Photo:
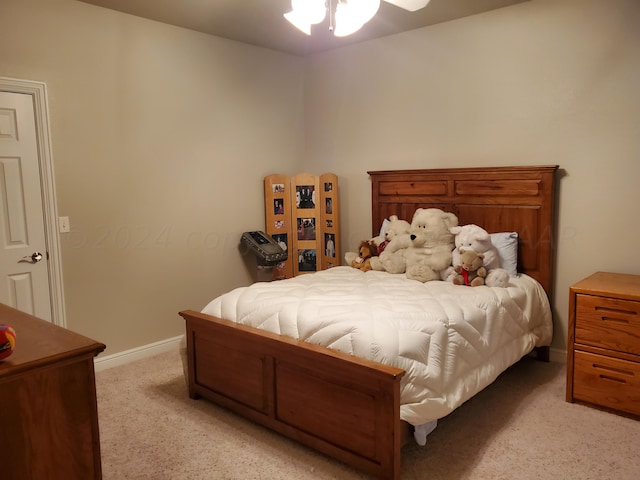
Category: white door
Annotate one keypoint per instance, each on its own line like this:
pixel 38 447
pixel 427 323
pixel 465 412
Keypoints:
pixel 24 265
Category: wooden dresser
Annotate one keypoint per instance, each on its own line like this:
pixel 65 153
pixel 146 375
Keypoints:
pixel 603 354
pixel 48 411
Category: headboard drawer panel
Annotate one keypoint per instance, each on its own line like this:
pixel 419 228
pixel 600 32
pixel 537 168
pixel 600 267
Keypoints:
pixel 498 187
pixel 413 188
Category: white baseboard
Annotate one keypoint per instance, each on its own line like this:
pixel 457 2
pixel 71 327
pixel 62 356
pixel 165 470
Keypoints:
pixel 138 353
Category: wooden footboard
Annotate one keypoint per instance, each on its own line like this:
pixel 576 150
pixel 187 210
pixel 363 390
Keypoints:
pixel 343 406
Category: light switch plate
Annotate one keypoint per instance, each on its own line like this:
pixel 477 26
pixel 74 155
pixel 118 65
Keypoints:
pixel 63 225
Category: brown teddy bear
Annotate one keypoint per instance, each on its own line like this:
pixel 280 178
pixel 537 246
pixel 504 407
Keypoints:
pixel 366 251
pixel 470 271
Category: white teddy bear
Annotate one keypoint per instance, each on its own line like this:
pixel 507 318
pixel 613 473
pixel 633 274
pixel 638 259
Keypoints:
pixel 473 237
pixel 394 234
pixel 396 239
pixel 429 255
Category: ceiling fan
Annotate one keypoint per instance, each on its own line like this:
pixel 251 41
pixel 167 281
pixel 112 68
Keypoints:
pixel 345 16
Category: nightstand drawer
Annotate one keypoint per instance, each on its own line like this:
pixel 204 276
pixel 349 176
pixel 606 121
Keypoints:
pixel 608 382
pixel 608 323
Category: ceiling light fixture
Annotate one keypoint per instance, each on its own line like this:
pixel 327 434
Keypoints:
pixel 345 16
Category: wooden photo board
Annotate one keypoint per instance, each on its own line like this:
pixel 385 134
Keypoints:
pixel 302 214
pixel 277 206
pixel 329 221
pixel 306 220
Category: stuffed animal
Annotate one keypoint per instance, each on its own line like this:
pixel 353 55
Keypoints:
pixel 392 228
pixel 395 234
pixel 366 250
pixel 429 254
pixel 470 270
pixel 473 237
pixel 396 239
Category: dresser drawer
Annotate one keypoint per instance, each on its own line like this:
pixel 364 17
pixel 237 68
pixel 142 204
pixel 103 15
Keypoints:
pixel 608 323
pixel 608 382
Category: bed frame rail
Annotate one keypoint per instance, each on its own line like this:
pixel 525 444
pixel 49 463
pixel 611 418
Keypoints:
pixel 338 404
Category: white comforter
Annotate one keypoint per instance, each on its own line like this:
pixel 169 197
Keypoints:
pixel 452 341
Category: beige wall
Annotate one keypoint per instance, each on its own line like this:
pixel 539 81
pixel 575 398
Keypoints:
pixel 542 82
pixel 161 138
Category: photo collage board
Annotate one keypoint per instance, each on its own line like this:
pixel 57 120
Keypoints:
pixel 302 215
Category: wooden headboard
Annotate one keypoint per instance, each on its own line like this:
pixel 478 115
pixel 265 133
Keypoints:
pixel 500 199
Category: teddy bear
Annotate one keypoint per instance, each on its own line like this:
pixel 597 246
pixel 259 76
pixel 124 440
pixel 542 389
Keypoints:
pixel 366 250
pixel 473 237
pixel 469 269
pixel 429 253
pixel 393 233
pixel 396 234
pixel 396 240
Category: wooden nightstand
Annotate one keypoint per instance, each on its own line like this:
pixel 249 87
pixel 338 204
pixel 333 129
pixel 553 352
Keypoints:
pixel 603 354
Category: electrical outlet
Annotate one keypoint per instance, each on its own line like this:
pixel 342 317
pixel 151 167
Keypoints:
pixel 63 225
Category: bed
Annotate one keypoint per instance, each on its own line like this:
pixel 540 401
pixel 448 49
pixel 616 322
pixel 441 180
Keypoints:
pixel 341 400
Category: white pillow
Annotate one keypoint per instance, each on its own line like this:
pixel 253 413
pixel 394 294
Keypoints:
pixel 507 245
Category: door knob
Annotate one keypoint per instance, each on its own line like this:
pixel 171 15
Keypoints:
pixel 35 257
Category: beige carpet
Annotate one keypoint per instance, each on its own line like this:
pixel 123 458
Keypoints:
pixel 518 428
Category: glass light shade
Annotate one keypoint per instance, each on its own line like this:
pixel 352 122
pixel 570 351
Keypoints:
pixel 351 15
pixel 298 21
pixel 312 11
pixel 410 5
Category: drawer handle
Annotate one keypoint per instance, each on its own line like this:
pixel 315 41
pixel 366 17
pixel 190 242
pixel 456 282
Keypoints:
pixel 611 369
pixel 611 319
pixel 614 379
pixel 616 310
